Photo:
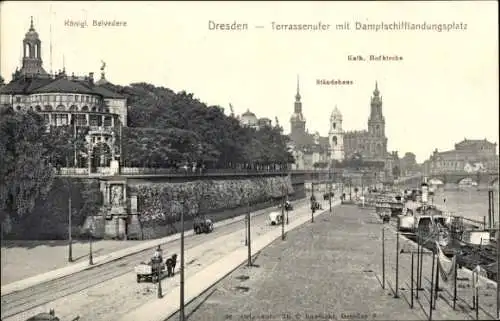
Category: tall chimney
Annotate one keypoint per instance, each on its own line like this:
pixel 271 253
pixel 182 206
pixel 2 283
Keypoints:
pixel 91 78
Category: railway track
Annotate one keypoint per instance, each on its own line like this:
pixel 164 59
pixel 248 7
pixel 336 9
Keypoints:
pixel 16 303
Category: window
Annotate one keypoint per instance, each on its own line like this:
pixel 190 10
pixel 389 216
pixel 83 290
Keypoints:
pixel 18 108
pixel 18 99
pixel 95 120
pixel 38 108
pixel 61 119
pixel 107 121
pixel 86 99
pixel 80 120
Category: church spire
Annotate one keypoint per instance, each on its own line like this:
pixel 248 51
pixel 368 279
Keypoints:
pixel 297 96
pixel 32 28
pixel 376 92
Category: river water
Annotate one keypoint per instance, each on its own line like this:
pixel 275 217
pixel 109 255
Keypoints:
pixel 467 202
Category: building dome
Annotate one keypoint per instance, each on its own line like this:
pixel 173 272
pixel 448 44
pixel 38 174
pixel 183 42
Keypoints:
pixel 248 113
pixel 297 117
pixel 249 119
pixel 31 34
pixel 336 113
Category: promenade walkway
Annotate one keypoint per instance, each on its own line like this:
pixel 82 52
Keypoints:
pixel 24 259
pixel 328 270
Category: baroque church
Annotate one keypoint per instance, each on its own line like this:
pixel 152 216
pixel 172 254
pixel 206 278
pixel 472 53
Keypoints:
pixel 311 150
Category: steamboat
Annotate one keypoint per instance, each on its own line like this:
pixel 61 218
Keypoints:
pixel 471 240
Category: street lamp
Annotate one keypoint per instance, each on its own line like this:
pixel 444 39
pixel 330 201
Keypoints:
pixel 313 202
pixel 286 207
pixel 181 310
pixel 248 226
pixel 70 239
pixel 283 213
pixel 90 231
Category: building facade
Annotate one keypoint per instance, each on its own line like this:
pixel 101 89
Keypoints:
pixel 310 149
pixel 249 119
pixel 65 100
pixel 470 155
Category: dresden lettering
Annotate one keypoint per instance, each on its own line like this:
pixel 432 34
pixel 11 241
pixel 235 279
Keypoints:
pixel 234 26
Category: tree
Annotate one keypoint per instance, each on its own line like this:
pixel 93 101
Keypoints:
pixel 2 81
pixel 198 133
pixel 24 167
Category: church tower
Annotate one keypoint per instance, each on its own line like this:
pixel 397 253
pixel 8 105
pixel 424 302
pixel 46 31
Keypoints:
pixel 297 121
pixel 376 121
pixel 336 136
pixel 32 54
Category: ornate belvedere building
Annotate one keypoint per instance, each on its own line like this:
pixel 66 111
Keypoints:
pixel 65 100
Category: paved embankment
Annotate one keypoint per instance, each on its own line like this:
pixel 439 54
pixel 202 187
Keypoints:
pixel 331 269
pixel 24 259
pixel 196 284
pixel 33 266
pixel 100 294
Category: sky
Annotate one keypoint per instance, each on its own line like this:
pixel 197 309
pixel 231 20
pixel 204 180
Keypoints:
pixel 444 89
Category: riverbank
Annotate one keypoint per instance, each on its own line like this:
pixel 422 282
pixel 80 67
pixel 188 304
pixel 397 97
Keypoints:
pixel 331 269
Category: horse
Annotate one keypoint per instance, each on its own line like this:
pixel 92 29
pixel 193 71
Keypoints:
pixel 171 263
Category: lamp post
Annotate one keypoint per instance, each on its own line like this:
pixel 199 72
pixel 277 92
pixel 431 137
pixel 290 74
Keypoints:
pixel 247 228
pixel 70 239
pixel 283 204
pixel 91 229
pixel 313 202
pixel 181 310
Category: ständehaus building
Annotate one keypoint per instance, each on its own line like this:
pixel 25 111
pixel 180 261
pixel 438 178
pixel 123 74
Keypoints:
pixel 310 149
pixel 65 100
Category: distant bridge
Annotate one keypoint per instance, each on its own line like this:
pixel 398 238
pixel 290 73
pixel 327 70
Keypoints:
pixel 489 178
pixel 411 180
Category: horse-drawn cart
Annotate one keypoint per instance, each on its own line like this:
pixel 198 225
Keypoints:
pixel 151 271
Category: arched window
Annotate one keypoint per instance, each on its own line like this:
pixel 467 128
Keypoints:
pixel 38 108
pixel 18 108
pixel 94 108
pixel 48 108
pixel 60 108
pixel 85 108
pixel 334 125
pixel 73 108
pixel 27 50
pixel 334 140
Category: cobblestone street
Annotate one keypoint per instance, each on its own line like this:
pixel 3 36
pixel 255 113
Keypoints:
pixel 330 269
